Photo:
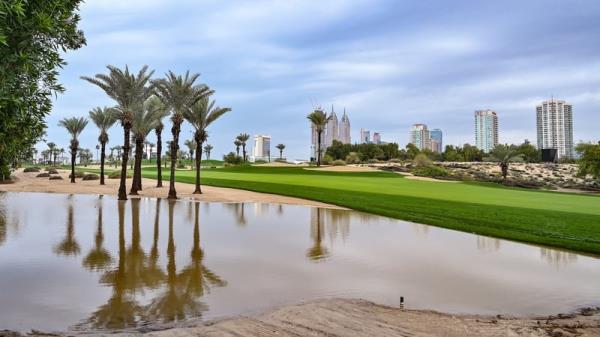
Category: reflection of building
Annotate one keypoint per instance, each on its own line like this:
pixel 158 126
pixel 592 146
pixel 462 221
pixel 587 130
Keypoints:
pixel 262 148
pixel 487 244
pixel 436 137
pixel 556 257
pixel 486 130
pixel 419 136
pixel 555 127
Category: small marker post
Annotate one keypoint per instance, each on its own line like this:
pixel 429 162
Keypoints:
pixel 401 302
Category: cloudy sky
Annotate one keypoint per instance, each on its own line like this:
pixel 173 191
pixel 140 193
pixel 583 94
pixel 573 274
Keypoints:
pixel 389 63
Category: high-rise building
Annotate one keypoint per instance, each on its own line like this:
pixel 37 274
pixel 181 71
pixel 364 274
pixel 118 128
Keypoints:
pixel 419 136
pixel 486 129
pixel 555 127
pixel 365 136
pixel 436 138
pixel 262 148
pixel 345 129
pixel 331 131
pixel 376 138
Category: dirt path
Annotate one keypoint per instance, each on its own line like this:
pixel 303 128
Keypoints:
pixel 28 182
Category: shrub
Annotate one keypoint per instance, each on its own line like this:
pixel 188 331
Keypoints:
pixel 327 159
pixel 56 178
pixel 338 162
pixel 91 176
pixel 395 160
pixel 260 161
pixel 31 169
pixel 421 160
pixel 430 171
pixel 43 175
pixel 117 175
pixel 53 171
pixel 180 164
pixel 353 158
pixel 78 174
pixel 232 159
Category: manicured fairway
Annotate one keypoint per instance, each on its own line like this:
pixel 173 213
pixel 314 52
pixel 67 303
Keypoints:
pixel 555 219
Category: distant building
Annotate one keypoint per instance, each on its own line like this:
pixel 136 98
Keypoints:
pixel 332 130
pixel 486 130
pixel 555 127
pixel 365 136
pixel 262 148
pixel 436 139
pixel 344 129
pixel 419 136
pixel 376 138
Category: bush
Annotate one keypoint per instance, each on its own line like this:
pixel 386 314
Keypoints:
pixel 43 175
pixel 180 164
pixel 430 171
pixel 78 174
pixel 260 161
pixel 327 159
pixel 421 160
pixel 353 158
pixel 31 169
pixel 91 176
pixel 53 171
pixel 56 178
pixel 232 159
pixel 117 175
pixel 338 162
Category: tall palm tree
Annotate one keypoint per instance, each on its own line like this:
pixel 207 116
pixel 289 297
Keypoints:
pixel 157 104
pixel 280 147
pixel 144 121
pixel 201 115
pixel 207 150
pixel 104 119
pixel 74 126
pixel 191 145
pixel 504 155
pixel 237 144
pixel 52 149
pixel 179 93
pixel 243 138
pixel 129 91
pixel 319 121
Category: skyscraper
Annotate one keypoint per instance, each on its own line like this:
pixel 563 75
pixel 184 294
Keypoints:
pixel 365 136
pixel 345 129
pixel 486 130
pixel 331 131
pixel 376 138
pixel 419 136
pixel 555 127
pixel 262 147
pixel 436 138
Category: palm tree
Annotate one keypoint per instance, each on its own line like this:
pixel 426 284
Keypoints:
pixel 318 120
pixel 280 147
pixel 179 93
pixel 207 150
pixel 237 146
pixel 129 91
pixel 52 147
pixel 62 152
pixel 144 121
pixel 191 145
pixel 74 126
pixel 504 155
pixel 156 104
pixel 201 115
pixel 243 138
pixel 103 118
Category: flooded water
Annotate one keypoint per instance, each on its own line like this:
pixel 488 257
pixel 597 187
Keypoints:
pixel 83 261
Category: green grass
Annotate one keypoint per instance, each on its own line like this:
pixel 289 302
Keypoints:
pixel 561 220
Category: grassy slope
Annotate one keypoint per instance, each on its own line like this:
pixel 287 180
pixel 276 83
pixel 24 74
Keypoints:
pixel 555 219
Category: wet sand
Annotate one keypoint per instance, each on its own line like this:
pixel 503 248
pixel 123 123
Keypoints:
pixel 28 182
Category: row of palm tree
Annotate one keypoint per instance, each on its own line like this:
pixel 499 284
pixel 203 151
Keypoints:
pixel 241 140
pixel 191 145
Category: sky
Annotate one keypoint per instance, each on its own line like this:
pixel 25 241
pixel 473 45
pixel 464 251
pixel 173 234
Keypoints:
pixel 389 63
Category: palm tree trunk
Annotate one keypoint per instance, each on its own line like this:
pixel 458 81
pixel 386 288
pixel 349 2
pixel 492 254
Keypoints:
pixel 73 158
pixel 174 148
pixel 158 158
pixel 102 159
pixel 125 157
pixel 137 167
pixel 280 154
pixel 319 148
pixel 237 150
pixel 244 151
pixel 198 159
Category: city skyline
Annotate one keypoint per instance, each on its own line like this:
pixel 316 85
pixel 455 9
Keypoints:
pixel 495 59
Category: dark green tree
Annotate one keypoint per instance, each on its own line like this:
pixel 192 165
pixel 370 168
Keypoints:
pixel 589 163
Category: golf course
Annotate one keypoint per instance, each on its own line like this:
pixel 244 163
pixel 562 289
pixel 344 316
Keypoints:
pixel 564 220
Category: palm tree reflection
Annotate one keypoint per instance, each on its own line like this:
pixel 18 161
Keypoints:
pixel 98 259
pixel 69 245
pixel 153 274
pixel 317 252
pixel 135 254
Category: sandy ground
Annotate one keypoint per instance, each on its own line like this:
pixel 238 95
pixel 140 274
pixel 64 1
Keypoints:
pixel 28 182
pixel 347 168
pixel 353 318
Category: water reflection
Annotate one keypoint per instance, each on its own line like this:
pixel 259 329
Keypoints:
pixel 238 210
pixel 487 244
pixel 557 258
pixel 98 259
pixel 69 245
pixel 317 252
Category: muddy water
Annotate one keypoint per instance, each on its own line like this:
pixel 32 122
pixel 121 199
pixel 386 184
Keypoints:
pixel 90 262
